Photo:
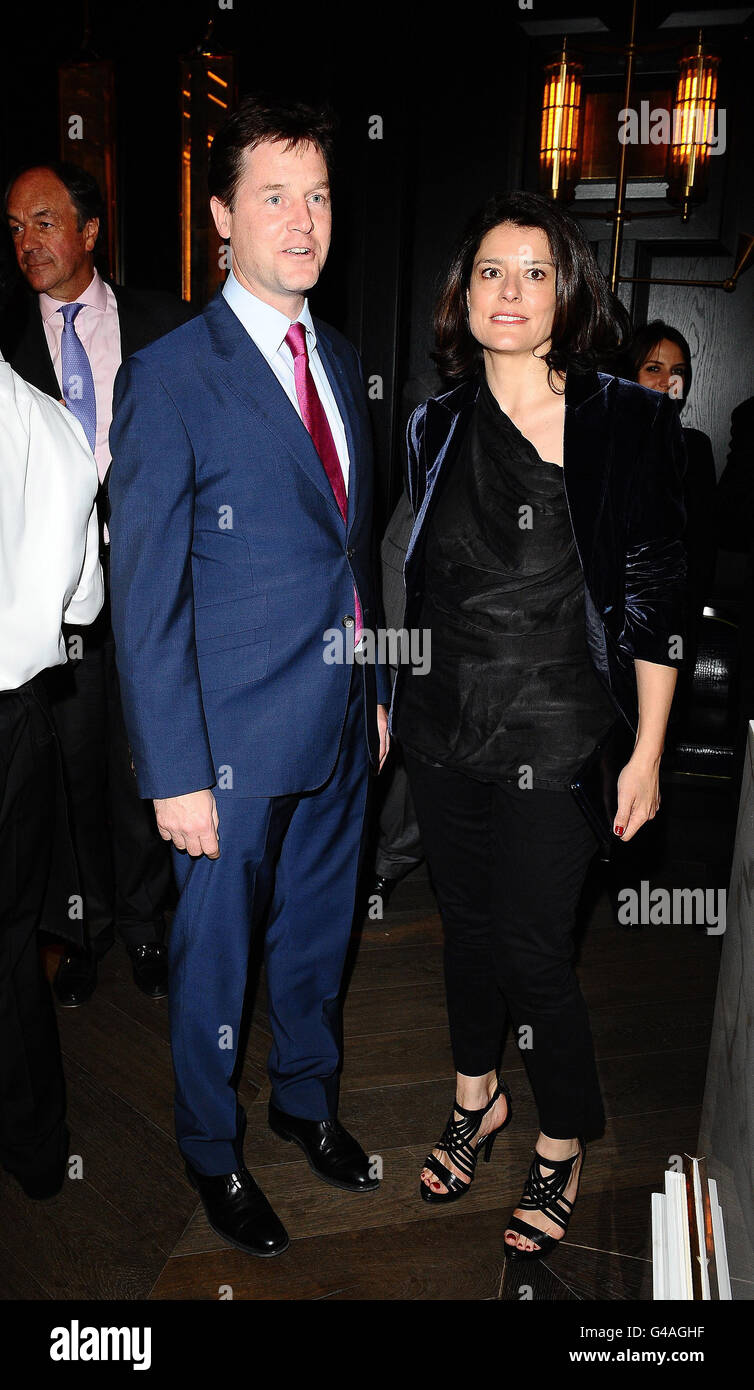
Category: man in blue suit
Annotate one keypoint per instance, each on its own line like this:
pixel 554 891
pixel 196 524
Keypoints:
pixel 241 539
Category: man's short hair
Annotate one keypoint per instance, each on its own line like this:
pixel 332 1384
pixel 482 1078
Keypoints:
pixel 255 121
pixel 82 188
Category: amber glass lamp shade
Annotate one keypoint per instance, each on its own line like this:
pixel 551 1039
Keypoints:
pixel 561 127
pixel 693 121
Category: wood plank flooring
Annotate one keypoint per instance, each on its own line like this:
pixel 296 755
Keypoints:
pixel 130 1226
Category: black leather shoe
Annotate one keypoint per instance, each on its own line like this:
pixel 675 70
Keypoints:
pixel 383 887
pixel 238 1212
pixel 44 1185
pixel 75 979
pixel 150 967
pixel 331 1152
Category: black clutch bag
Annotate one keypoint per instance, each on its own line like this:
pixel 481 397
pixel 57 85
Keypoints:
pixel 595 784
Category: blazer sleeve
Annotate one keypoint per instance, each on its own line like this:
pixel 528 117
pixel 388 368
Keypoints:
pixel 151 489
pixel 735 491
pixel 655 592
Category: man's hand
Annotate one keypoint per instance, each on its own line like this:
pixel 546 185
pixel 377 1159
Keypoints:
pixel 382 713
pixel 191 822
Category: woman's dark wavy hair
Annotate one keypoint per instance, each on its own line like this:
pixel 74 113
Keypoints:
pixel 590 325
pixel 643 343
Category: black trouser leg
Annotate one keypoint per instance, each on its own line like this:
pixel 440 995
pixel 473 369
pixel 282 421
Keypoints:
pixel 455 820
pixel 33 1135
pixel 544 847
pixel 508 866
pixel 79 712
pixel 124 865
pixel 399 846
pixel 143 868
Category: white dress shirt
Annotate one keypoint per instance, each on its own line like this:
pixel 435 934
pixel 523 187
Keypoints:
pixel 267 327
pixel 49 543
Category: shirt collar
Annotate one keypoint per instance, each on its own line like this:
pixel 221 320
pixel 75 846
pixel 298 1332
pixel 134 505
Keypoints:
pixel 265 324
pixel 95 295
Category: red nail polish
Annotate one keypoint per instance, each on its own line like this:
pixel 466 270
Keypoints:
pixel 619 829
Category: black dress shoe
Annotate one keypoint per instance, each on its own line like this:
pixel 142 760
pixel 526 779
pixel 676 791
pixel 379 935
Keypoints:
pixel 46 1184
pixel 331 1152
pixel 383 887
pixel 150 967
pixel 75 979
pixel 238 1212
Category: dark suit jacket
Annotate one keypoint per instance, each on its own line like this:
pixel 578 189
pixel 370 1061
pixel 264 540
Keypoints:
pixel 623 465
pixel 700 497
pixel 232 571
pixel 735 491
pixel 393 558
pixel 143 315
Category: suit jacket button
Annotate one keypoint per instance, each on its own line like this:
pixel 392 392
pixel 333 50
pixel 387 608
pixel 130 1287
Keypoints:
pixel 348 620
pixel 349 552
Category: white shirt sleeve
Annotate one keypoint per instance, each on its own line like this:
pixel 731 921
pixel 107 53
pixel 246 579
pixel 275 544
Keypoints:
pixel 49 550
pixel 86 603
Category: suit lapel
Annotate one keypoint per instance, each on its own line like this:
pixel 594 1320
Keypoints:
pixel 246 373
pixel 31 357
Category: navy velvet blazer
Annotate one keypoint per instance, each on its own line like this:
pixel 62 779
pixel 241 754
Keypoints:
pixel 230 561
pixel 623 465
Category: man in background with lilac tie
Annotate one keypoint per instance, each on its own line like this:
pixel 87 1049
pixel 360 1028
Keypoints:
pixel 241 521
pixel 67 337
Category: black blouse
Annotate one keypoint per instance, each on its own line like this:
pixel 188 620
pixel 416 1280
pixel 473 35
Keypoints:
pixel 511 693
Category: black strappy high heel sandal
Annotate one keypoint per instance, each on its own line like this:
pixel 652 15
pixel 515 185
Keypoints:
pixel 456 1143
pixel 544 1192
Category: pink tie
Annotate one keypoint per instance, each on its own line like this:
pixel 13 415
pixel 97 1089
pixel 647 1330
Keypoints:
pixel 315 419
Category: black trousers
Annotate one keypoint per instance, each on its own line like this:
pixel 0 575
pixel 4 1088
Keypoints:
pixel 33 1135
pixel 508 866
pixel 399 846
pixel 124 865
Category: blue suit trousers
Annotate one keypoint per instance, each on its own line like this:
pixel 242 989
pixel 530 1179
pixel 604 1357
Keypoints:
pixel 288 865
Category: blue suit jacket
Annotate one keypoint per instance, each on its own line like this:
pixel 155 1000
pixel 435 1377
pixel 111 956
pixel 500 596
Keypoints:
pixel 230 561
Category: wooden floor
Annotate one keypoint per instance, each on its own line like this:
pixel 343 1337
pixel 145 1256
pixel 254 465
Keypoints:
pixel 131 1228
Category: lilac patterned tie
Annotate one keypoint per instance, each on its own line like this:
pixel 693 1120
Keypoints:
pixel 315 419
pixel 76 369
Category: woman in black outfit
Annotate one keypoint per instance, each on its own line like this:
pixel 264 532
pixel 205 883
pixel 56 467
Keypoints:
pixel 546 561
pixel 659 357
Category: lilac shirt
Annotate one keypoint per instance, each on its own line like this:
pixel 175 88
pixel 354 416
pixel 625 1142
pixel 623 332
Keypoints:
pixel 98 328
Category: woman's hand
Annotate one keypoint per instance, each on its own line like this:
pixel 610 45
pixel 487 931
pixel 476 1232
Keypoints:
pixel 639 782
pixel 638 793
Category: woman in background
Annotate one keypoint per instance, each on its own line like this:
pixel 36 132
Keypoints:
pixel 659 357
